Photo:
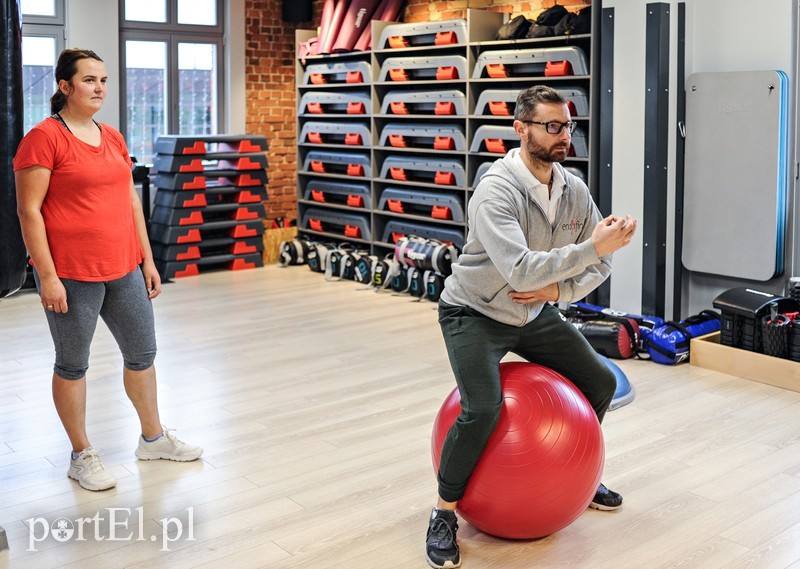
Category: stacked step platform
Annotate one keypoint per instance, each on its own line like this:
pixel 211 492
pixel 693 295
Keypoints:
pixel 208 211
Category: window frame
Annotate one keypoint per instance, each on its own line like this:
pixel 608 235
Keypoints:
pixel 172 34
pixel 58 19
pixel 46 31
pixel 46 27
pixel 172 21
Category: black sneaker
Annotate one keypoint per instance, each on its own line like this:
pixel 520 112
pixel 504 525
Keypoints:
pixel 606 499
pixel 441 549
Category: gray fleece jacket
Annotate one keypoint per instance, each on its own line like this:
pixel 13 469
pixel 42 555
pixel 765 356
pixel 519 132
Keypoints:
pixel 511 245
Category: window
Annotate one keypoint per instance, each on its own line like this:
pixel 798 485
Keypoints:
pixel 145 95
pixel 42 12
pixel 200 12
pixel 42 41
pixel 197 88
pixel 172 70
pixel 146 11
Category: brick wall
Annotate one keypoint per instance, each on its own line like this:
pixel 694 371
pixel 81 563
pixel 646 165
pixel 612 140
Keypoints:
pixel 270 70
pixel 271 108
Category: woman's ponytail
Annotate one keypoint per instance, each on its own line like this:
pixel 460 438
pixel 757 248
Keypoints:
pixel 57 101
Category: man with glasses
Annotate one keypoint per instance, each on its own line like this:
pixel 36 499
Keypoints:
pixel 535 237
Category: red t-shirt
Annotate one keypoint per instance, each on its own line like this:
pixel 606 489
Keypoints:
pixel 87 210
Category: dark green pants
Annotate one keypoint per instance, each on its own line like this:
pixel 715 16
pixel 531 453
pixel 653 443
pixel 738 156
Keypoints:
pixel 475 345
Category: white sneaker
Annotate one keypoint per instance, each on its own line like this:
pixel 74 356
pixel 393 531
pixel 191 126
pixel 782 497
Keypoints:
pixel 89 471
pixel 167 447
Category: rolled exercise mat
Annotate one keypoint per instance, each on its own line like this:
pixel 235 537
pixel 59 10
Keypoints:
pixel 325 23
pixel 333 28
pixel 355 21
pixel 387 11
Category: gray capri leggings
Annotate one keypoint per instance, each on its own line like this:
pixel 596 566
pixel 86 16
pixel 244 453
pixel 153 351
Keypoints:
pixel 124 307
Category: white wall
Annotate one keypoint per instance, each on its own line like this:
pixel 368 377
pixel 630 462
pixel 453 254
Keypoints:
pixel 728 35
pixel 721 35
pixel 628 170
pixel 235 80
pixel 84 30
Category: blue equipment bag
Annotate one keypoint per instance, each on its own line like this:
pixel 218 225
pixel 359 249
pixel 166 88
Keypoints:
pixel 669 343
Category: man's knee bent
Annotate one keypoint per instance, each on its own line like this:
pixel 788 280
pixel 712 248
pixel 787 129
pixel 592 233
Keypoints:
pixel 481 418
pixel 607 382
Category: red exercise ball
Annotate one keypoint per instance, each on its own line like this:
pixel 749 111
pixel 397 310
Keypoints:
pixel 541 466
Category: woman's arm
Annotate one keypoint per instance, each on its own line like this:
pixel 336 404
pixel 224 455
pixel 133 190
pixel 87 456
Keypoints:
pixel 32 184
pixel 151 277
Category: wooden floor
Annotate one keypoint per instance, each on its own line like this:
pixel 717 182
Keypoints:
pixel 314 402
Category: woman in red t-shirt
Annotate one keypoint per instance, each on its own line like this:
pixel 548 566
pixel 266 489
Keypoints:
pixel 84 228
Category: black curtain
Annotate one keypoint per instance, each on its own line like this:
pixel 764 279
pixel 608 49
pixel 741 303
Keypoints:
pixel 13 258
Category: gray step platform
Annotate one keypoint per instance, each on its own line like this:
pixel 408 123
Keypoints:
pixel 339 72
pixel 202 180
pixel 350 164
pixel 500 139
pixel 502 102
pixel 342 103
pixel 210 143
pixel 577 100
pixel 480 171
pixel 177 269
pixel 494 138
pixel 437 205
pixel 334 221
pixel 446 102
pixel 440 68
pixel 415 135
pixel 442 171
pixel 416 34
pixel 326 191
pixel 198 216
pixel 539 62
pixel 325 132
pixel 208 248
pixel 395 229
pixel 579 145
pixel 210 196
pixel 172 234
pixel 214 162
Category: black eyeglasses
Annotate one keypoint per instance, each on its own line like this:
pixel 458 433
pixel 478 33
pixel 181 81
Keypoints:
pixel 554 127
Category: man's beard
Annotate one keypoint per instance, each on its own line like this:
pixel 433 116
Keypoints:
pixel 554 153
